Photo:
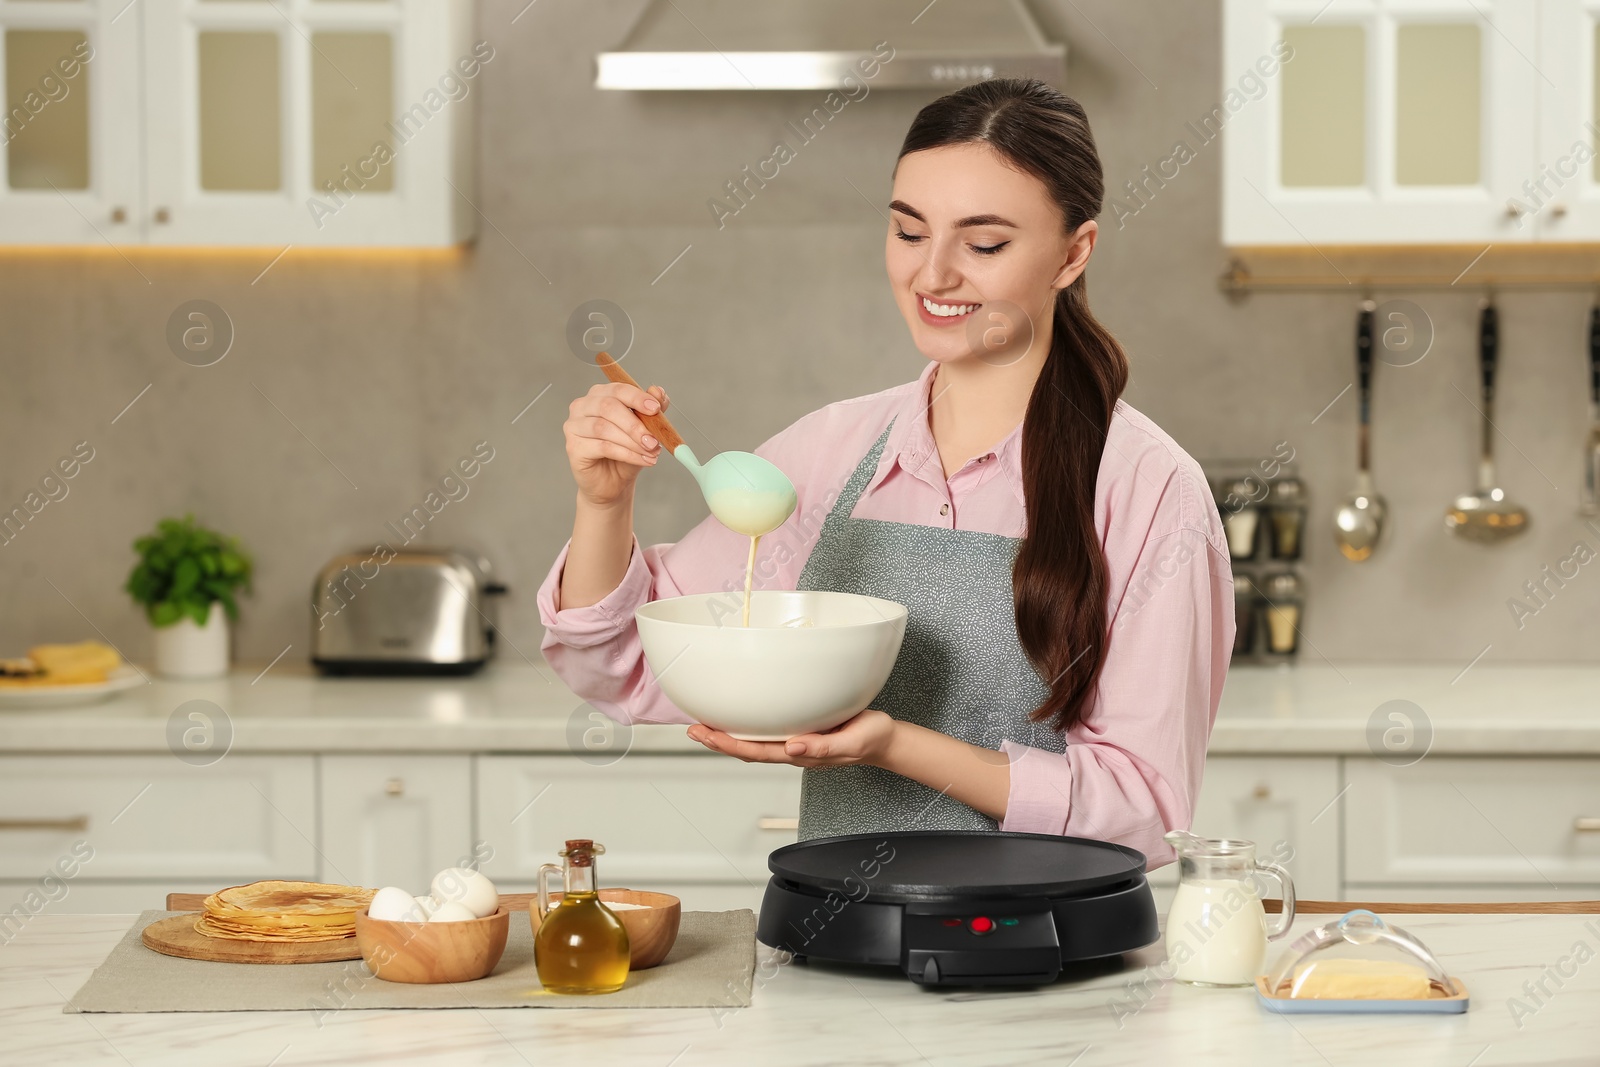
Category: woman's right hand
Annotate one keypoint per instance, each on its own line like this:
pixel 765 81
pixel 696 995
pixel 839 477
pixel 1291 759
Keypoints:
pixel 607 444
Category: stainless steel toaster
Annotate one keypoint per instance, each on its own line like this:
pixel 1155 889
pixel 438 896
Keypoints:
pixel 407 611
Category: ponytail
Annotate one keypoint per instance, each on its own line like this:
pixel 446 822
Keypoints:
pixel 1059 579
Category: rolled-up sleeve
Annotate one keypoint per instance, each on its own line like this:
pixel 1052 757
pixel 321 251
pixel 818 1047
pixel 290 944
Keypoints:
pixel 596 650
pixel 1132 767
pixel 599 623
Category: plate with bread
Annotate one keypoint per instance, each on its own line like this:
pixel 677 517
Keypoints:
pixel 62 675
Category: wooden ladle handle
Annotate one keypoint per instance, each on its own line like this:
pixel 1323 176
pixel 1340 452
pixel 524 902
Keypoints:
pixel 657 424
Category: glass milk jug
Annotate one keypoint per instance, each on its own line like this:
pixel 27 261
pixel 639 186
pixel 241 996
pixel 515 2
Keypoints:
pixel 581 946
pixel 1217 930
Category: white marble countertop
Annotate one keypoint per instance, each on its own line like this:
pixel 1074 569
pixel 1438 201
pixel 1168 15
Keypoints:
pixel 1306 709
pixel 810 1014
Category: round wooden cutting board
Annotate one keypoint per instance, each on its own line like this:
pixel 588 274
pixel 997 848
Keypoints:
pixel 177 937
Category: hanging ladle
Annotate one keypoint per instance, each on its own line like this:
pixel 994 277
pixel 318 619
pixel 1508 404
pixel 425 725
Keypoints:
pixel 1486 516
pixel 1359 522
pixel 746 493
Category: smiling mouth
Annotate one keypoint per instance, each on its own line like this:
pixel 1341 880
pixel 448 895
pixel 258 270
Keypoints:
pixel 934 311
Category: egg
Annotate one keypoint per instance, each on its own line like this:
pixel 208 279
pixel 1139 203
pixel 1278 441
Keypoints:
pixel 427 905
pixel 391 904
pixel 451 912
pixel 465 886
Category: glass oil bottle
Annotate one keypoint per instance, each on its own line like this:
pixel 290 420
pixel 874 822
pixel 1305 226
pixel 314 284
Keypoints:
pixel 581 946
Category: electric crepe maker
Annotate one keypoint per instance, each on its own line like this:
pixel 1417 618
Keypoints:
pixel 958 907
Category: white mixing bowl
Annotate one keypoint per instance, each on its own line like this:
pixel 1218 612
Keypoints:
pixel 773 679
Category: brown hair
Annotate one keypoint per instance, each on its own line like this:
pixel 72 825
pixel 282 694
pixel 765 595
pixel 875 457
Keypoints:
pixel 1059 578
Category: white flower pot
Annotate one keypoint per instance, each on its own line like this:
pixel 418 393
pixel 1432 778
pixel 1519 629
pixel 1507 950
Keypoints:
pixel 184 650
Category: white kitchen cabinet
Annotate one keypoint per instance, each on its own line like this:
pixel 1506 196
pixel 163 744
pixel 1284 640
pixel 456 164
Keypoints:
pixel 701 827
pixel 82 897
pixel 205 122
pixel 156 818
pixel 1285 804
pixel 1408 122
pixel 69 157
pixel 664 820
pixel 1562 194
pixel 393 819
pixel 1453 821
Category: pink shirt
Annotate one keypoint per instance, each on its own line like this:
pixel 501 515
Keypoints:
pixel 1132 767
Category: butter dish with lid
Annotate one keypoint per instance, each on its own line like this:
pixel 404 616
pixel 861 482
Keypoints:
pixel 1359 964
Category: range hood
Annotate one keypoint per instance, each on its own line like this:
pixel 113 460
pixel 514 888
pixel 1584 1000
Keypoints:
pixel 817 44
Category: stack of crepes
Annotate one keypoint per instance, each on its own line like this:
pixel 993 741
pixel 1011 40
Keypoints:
pixel 295 912
pixel 83 663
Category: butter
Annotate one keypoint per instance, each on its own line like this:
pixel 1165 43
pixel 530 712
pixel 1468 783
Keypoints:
pixel 1348 979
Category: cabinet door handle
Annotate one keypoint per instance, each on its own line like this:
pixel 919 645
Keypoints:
pixel 395 787
pixel 76 822
pixel 778 822
pixel 163 216
pixel 1586 824
pixel 119 214
pixel 1261 792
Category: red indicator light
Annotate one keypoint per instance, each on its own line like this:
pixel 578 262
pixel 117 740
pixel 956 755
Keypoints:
pixel 982 925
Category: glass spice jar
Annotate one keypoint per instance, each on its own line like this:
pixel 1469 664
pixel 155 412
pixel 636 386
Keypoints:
pixel 1287 511
pixel 1241 518
pixel 1284 599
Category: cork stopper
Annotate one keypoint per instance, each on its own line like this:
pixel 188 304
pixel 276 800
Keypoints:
pixel 581 851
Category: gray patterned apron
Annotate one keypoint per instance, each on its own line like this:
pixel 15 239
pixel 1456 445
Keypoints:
pixel 961 670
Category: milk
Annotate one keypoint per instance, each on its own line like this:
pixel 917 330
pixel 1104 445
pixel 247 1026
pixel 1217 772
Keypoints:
pixel 1216 932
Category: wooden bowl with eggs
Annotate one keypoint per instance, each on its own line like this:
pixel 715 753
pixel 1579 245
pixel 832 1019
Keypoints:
pixel 425 953
pixel 652 923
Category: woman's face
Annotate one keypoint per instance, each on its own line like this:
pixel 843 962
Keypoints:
pixel 968 230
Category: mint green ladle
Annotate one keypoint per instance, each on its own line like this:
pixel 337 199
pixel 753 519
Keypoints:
pixel 746 493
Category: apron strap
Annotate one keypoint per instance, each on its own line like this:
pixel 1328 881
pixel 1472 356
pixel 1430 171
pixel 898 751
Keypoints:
pixel 857 483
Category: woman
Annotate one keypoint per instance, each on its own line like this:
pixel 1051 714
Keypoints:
pixel 1070 597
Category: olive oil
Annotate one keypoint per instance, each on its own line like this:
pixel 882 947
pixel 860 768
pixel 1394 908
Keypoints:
pixel 581 946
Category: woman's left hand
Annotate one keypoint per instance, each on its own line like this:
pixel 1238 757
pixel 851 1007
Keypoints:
pixel 862 739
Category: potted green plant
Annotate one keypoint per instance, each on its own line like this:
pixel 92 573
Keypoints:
pixel 187 579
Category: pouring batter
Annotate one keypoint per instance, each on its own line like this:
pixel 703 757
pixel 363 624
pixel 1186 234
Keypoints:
pixel 1070 595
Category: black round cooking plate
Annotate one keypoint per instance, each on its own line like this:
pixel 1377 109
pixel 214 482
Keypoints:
pixel 909 866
